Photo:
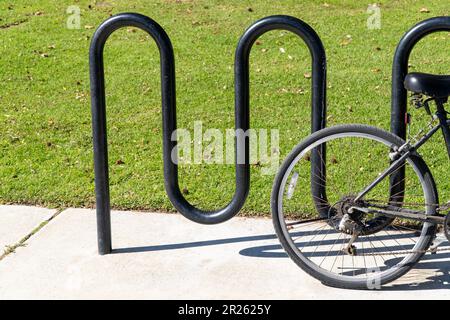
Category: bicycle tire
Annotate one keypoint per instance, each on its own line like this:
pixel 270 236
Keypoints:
pixel 429 189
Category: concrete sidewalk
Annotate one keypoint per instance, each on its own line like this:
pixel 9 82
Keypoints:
pixel 17 222
pixel 165 256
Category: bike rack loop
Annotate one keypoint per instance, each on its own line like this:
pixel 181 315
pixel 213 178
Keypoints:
pixel 399 93
pixel 98 101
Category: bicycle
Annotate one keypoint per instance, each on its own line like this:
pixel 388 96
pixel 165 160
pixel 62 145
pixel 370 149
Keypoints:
pixel 366 228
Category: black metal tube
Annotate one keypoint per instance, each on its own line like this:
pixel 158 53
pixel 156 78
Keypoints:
pixel 399 93
pixel 98 105
pixel 318 91
pixel 443 121
pixel 169 112
pixel 242 113
pixel 400 68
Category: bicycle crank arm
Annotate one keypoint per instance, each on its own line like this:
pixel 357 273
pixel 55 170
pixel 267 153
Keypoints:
pixel 418 216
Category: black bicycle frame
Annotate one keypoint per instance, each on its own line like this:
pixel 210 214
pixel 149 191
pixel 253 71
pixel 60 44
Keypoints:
pixel 242 118
pixel 399 93
pixel 395 165
pixel 444 125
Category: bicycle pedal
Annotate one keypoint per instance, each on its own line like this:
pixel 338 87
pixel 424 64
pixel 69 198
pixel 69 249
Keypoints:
pixel 351 250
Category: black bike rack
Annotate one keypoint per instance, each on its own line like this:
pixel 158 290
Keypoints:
pixel 399 93
pixel 242 117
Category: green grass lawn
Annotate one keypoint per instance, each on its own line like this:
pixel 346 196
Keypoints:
pixel 45 131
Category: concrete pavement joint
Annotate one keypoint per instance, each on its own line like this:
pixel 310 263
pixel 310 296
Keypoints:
pixel 22 242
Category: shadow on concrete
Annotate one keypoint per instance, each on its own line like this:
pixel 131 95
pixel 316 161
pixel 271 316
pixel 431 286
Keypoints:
pixel 194 244
pixel 437 265
pixel 436 274
pixel 266 251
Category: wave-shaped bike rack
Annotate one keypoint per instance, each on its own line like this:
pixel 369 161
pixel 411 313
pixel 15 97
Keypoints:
pixel 399 93
pixel 242 117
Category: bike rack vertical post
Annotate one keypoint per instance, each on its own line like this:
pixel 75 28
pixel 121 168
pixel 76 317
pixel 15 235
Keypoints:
pixel 318 91
pixel 242 114
pixel 399 93
pixel 98 106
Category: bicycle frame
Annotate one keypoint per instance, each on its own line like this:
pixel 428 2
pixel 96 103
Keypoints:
pixel 445 124
pixel 404 152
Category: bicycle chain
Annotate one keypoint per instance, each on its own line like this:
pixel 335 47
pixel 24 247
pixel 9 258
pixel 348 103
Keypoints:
pixel 440 207
pixel 443 207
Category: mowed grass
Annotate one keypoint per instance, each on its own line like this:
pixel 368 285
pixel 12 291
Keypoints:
pixel 45 133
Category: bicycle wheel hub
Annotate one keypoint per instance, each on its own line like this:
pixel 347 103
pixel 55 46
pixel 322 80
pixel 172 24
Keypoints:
pixel 344 219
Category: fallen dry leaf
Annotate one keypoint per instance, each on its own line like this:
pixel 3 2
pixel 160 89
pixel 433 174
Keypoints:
pixel 346 40
pixel 80 96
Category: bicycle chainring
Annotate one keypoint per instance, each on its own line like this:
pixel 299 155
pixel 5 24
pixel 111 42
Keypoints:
pixel 342 220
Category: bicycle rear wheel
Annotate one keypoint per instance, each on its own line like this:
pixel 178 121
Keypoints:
pixel 316 231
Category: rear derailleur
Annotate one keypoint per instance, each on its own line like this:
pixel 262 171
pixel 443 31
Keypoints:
pixel 349 226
